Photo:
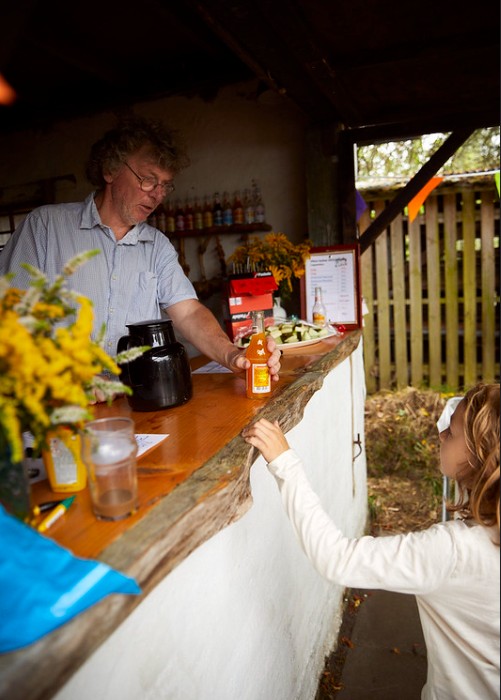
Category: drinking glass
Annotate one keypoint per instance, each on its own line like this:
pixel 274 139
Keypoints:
pixel 109 450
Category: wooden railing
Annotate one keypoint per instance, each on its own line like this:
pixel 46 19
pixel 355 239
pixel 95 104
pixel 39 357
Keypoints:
pixel 432 290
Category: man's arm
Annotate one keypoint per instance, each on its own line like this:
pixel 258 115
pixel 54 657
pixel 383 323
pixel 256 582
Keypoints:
pixel 200 327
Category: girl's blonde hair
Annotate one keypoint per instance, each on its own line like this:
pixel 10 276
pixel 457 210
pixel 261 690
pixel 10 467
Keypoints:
pixel 479 489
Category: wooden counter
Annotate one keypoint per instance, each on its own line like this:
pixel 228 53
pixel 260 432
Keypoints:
pixel 191 486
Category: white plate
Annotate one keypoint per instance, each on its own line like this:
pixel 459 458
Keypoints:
pixel 331 331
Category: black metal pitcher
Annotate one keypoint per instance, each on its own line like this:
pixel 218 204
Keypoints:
pixel 161 377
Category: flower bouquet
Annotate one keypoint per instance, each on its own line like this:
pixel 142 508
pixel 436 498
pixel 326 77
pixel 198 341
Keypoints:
pixel 50 368
pixel 276 253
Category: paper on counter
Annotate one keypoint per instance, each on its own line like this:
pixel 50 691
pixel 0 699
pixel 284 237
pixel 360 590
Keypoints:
pixel 212 368
pixel 146 441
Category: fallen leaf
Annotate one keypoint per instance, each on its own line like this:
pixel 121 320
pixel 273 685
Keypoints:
pixel 347 642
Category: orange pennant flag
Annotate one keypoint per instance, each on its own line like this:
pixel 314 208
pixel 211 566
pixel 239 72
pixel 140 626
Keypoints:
pixel 415 204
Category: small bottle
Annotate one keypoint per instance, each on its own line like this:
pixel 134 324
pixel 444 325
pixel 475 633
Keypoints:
pixel 161 218
pixel 319 310
pixel 63 463
pixel 238 209
pixel 279 313
pixel 257 203
pixel 248 208
pixel 198 217
pixel 227 210
pixel 170 217
pixel 258 381
pixel 189 222
pixel 179 216
pixel 217 211
pixel 207 213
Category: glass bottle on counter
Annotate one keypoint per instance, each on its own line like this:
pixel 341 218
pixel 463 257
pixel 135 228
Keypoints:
pixel 63 462
pixel 319 311
pixel 258 381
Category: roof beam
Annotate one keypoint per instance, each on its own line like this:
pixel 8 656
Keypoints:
pixel 429 169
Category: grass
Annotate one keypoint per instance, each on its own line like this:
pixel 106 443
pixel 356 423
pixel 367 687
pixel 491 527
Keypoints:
pixel 403 455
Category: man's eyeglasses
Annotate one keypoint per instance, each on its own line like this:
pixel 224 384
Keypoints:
pixel 148 184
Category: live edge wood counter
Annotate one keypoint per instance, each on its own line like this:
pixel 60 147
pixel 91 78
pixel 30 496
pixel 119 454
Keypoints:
pixel 191 486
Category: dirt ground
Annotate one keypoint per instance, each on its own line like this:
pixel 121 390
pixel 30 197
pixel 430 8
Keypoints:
pixel 404 487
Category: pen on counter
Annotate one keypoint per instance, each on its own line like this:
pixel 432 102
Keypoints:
pixel 43 507
pixel 58 511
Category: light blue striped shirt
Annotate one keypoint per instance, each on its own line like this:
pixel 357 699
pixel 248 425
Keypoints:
pixel 129 281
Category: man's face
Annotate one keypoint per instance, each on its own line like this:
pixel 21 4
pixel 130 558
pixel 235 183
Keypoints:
pixel 132 203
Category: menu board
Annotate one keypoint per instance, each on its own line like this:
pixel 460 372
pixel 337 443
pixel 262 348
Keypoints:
pixel 336 270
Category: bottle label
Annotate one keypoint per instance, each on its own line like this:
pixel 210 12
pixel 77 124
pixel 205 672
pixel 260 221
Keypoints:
pixel 260 379
pixel 65 467
pixel 249 215
pixel 318 319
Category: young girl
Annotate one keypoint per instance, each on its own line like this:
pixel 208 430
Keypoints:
pixel 452 568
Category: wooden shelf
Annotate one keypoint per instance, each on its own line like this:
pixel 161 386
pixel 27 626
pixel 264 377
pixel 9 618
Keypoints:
pixel 221 230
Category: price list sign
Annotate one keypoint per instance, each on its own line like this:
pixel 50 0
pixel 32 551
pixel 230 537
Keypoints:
pixel 336 270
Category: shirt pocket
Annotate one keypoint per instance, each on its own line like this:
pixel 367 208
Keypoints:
pixel 143 298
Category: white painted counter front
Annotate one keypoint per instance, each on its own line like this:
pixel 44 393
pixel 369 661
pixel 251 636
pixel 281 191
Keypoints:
pixel 245 616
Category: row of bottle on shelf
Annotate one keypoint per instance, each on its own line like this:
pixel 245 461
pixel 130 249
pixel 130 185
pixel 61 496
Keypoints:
pixel 196 214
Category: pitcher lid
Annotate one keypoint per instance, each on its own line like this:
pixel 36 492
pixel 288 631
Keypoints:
pixel 151 323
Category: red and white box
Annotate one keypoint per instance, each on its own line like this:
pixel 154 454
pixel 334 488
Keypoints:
pixel 244 293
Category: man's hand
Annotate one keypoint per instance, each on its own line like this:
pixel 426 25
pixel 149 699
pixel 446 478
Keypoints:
pixel 240 362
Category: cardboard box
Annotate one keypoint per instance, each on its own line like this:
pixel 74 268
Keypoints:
pixel 239 325
pixel 251 283
pixel 245 293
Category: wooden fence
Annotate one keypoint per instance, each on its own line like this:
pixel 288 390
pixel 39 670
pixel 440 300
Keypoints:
pixel 432 291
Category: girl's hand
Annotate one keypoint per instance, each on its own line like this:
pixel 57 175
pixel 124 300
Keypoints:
pixel 267 437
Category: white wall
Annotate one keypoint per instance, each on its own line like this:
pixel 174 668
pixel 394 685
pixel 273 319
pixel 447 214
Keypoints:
pixel 245 615
pixel 230 140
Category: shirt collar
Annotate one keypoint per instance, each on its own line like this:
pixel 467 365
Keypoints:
pixel 90 219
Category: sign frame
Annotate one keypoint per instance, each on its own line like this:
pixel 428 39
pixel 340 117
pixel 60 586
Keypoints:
pixel 338 267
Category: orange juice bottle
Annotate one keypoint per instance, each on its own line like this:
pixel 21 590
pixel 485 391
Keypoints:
pixel 63 463
pixel 258 380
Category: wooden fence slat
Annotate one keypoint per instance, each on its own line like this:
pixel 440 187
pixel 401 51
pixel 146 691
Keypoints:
pixel 488 286
pixel 433 293
pixel 399 305
pixel 383 308
pixel 367 274
pixel 416 302
pixel 442 325
pixel 469 295
pixel 451 291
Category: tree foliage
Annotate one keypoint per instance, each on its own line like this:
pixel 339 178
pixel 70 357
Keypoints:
pixel 402 159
